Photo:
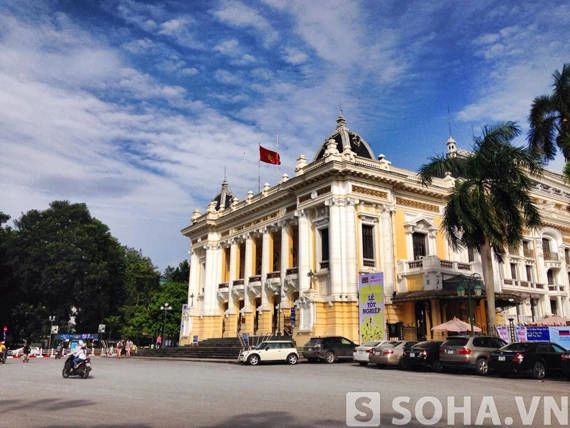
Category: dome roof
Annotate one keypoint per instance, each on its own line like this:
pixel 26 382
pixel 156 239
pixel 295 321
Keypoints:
pixel 344 137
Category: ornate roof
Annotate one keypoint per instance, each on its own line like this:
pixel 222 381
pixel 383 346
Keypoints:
pixel 345 138
pixel 224 199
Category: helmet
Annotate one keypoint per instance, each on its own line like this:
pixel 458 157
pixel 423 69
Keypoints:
pixel 81 343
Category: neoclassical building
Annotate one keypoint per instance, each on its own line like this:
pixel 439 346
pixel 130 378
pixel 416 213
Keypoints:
pixel 288 259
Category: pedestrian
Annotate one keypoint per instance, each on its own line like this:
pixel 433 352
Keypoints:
pixel 158 341
pixel 119 348
pixel 26 352
pixel 128 347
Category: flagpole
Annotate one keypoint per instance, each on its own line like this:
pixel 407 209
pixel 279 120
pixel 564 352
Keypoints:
pixel 259 171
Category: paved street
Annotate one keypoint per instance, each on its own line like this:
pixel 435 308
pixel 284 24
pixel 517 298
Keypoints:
pixel 140 392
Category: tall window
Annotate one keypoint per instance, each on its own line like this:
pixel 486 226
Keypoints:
pixel 513 270
pixel 528 273
pixel 324 232
pixel 368 244
pixel 550 277
pixel 419 242
pixel 546 249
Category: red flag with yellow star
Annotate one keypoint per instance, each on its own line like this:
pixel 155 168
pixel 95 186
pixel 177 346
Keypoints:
pixel 269 156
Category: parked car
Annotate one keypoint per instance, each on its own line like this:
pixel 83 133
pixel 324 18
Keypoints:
pixel 423 355
pixel 270 350
pixel 390 354
pixel 469 352
pixel 362 353
pixel 18 351
pixel 566 364
pixel 538 359
pixel 329 349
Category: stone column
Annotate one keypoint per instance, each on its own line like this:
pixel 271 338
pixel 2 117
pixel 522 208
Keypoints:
pixel 265 304
pixel 194 279
pixel 213 275
pixel 350 276
pixel 337 275
pixel 284 262
pixel 305 246
pixel 247 272
pixel 232 276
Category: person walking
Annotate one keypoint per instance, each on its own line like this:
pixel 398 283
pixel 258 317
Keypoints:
pixel 26 351
pixel 158 341
pixel 128 347
pixel 119 348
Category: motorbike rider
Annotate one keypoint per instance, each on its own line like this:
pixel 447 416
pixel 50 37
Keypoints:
pixel 79 354
pixel 3 352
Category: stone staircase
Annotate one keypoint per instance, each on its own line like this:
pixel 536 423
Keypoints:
pixel 214 348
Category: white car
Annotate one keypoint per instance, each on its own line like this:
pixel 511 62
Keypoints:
pixel 361 354
pixel 270 350
pixel 34 350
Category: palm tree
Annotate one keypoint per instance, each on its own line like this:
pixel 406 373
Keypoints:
pixel 549 119
pixel 491 203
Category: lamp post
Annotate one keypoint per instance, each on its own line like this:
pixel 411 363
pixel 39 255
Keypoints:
pixel 471 285
pixel 164 308
pixel 51 320
pixel 192 300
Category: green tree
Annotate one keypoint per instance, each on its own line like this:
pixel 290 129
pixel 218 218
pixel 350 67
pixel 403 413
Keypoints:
pixel 64 263
pixel 179 274
pixel 8 292
pixel 549 120
pixel 491 201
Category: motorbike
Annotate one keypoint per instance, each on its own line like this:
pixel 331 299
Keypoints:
pixel 82 370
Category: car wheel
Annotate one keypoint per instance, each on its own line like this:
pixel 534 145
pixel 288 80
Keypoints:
pixel 482 367
pixel 539 370
pixel 292 359
pixel 253 360
pixel 330 357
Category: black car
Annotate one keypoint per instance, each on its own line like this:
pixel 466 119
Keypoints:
pixel 538 359
pixel 566 364
pixel 329 349
pixel 423 355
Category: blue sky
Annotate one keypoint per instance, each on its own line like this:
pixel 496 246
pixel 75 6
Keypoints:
pixel 139 108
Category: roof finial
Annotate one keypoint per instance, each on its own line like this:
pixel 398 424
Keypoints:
pixel 340 122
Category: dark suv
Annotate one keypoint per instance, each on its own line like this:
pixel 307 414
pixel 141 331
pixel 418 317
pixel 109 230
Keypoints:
pixel 329 349
pixel 469 352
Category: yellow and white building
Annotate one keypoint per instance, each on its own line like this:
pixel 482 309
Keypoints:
pixel 287 260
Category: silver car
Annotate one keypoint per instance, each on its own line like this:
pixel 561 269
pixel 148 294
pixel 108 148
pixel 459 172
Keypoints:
pixel 469 352
pixel 361 353
pixel 390 354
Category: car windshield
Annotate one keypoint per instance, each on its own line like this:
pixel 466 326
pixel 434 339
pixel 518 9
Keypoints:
pixel 262 345
pixel 456 341
pixel 390 344
pixel 372 343
pixel 519 346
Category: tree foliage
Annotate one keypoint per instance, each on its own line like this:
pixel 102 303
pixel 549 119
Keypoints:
pixel 549 120
pixel 491 201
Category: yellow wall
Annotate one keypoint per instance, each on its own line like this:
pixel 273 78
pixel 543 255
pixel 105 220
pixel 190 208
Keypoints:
pixel 415 282
pixel 400 235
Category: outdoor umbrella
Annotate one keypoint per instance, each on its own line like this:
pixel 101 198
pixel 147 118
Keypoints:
pixel 455 325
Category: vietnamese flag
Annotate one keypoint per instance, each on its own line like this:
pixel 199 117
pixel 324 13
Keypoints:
pixel 269 156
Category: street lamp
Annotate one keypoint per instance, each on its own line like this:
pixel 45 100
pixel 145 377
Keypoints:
pixel 192 300
pixel 471 285
pixel 164 308
pixel 51 320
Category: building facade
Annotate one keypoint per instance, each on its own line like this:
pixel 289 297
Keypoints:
pixel 288 259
